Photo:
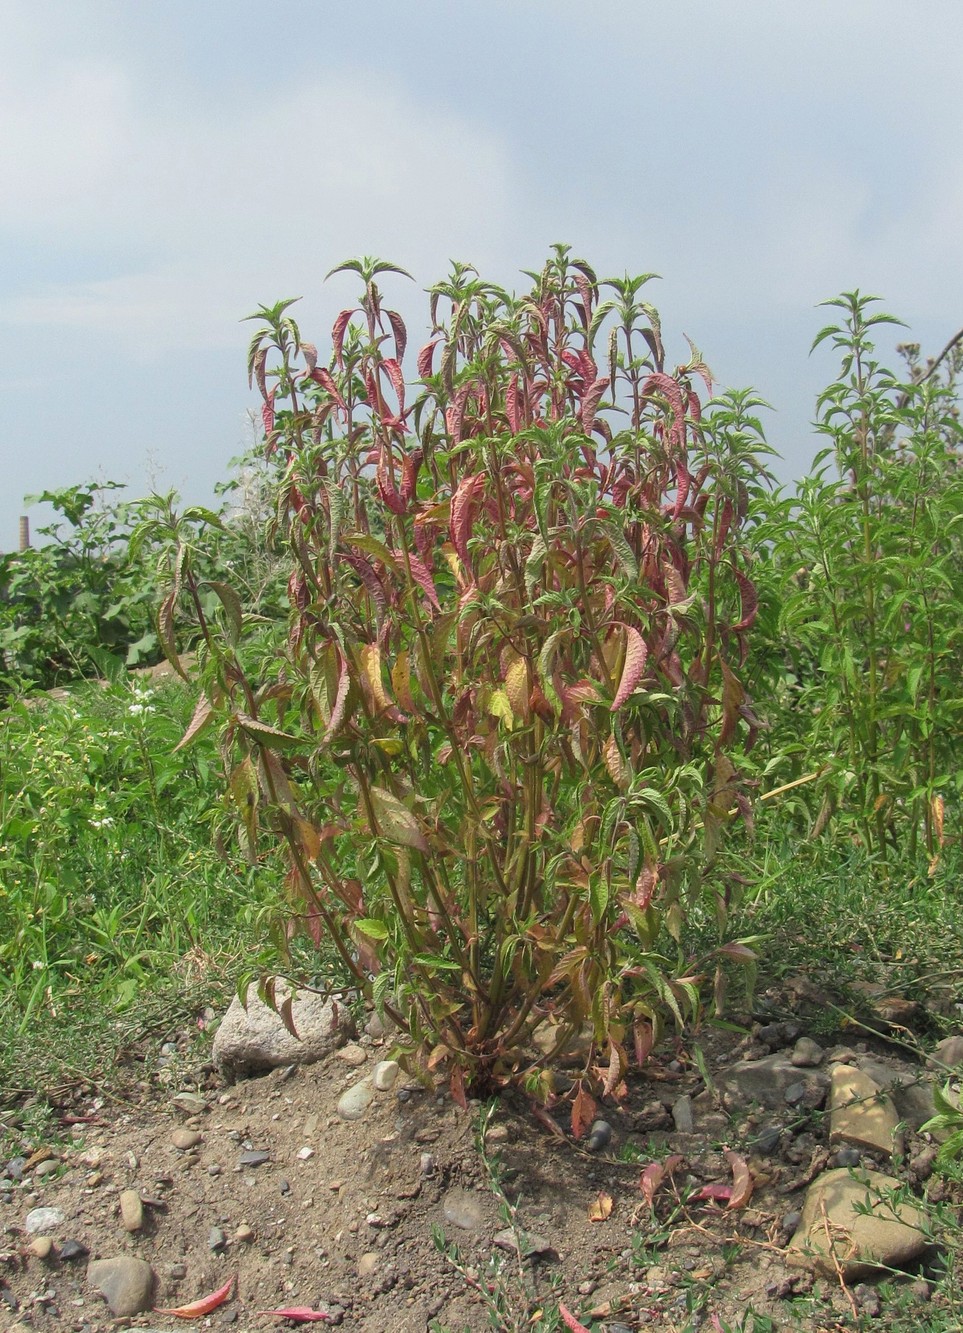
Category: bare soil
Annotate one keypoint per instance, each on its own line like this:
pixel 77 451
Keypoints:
pixel 344 1217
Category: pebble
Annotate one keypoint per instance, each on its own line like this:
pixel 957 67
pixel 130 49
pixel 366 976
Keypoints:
pixel 216 1239
pixel 368 1264
pixel 463 1209
pixel 385 1074
pixel 353 1055
pixel 15 1168
pixel 131 1210
pixel 257 1157
pixel 767 1140
pixel 71 1250
pixel 599 1136
pixel 189 1102
pixel 185 1139
pixel 682 1115
pixel 41 1247
pixel 428 1164
pixel 49 1168
pixel 791 1221
pixel 244 1234
pixel 353 1103
pixel 806 1053
pixel 867 1298
pixel 39 1220
pixel 846 1157
pixel 305 1153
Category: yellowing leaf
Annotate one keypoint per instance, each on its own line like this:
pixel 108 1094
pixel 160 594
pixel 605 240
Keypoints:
pixel 516 687
pixel 499 706
pixel 395 820
pixel 615 764
pixel 600 1207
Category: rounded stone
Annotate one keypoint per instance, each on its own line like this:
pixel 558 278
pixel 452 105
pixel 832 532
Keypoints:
pixel 353 1103
pixel 126 1284
pixel 131 1210
pixel 39 1220
pixel 463 1209
pixel 385 1074
pixel 185 1139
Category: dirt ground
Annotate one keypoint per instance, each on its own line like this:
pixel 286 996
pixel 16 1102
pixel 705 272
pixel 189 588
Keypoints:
pixel 353 1219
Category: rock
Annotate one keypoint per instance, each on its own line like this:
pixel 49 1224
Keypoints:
pixel 867 1298
pixel 39 1220
pixel 254 1039
pixel 807 1054
pixel 48 1168
pixel 15 1168
pixel 131 1210
pixel 859 1112
pixel 599 1136
pixel 682 1115
pixel 767 1140
pixel 72 1250
pixel 189 1102
pixel 377 1028
pixel 765 1081
pixel 463 1209
pixel 427 1164
pixel 946 1054
pixel 368 1264
pixel 353 1103
pixel 126 1284
pixel 244 1234
pixel 353 1055
pixel 846 1157
pixel 530 1241
pixel 216 1239
pixel 253 1157
pixel 385 1073
pixel 185 1139
pixel 846 1215
pixel 41 1247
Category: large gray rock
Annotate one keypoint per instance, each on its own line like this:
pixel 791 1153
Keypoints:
pixel 253 1038
pixel 126 1284
pixel 848 1215
pixel 766 1081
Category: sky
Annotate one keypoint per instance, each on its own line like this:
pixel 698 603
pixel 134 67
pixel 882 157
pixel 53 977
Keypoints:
pixel 167 166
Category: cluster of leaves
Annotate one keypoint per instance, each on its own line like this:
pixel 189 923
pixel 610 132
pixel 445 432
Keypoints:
pixel 76 596
pixel 502 743
pixel 866 575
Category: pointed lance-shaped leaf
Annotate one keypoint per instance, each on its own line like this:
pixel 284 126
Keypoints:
pixel 461 513
pixel 571 1323
pixel 636 655
pixel 232 608
pixel 425 358
pixel 340 701
pixel 400 332
pixel 326 380
pixel 203 713
pixel 749 599
pixel 590 403
pixel 204 1306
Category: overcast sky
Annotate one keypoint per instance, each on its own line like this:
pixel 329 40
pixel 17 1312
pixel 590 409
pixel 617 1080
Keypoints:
pixel 166 165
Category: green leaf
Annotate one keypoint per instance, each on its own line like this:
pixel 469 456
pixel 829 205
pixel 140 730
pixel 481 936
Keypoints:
pixel 395 821
pixel 370 926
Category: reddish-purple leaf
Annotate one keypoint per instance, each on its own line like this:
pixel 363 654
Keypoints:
pixel 636 654
pixel 326 380
pixel 310 354
pixel 461 510
pixel 267 413
pixel 656 1173
pixel 198 1309
pixel 425 358
pixel 669 389
pixel 394 372
pixel 421 575
pixel 717 1193
pixel 340 701
pixel 749 600
pixel 337 335
pixel 386 487
pixel 202 716
pixel 257 371
pixel 400 332
pixel 571 1323
pixel 409 474
pixel 590 403
pixel 513 404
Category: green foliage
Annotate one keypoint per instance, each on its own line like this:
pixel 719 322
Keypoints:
pixel 870 560
pixel 500 744
pixel 71 605
pixel 108 868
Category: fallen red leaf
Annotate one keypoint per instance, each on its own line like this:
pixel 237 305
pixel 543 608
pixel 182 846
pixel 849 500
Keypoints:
pixel 299 1313
pixel 198 1309
pixel 570 1321
pixel 718 1192
pixel 742 1181
pixel 655 1173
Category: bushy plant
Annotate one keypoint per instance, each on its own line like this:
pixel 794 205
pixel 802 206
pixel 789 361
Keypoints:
pixel 870 555
pixel 76 597
pixel 501 744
